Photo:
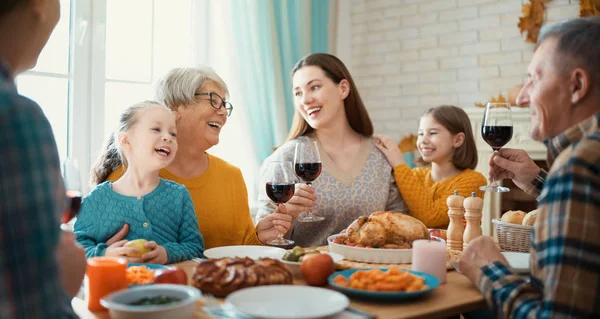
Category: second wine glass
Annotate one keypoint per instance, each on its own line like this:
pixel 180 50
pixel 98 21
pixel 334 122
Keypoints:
pixel 280 188
pixel 72 180
pixel 307 164
pixel 497 131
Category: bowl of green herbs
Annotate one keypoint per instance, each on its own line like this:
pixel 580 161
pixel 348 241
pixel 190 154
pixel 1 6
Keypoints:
pixel 152 301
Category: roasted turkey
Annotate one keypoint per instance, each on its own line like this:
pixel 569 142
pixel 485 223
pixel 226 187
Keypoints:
pixel 387 230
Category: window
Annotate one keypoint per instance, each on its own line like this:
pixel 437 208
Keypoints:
pixel 48 83
pixel 106 55
pixel 144 39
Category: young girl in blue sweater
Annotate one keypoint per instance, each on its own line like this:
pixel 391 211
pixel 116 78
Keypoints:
pixel 140 205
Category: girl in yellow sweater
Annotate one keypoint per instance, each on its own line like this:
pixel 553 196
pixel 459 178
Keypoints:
pixel 446 142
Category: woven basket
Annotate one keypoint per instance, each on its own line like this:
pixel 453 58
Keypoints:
pixel 513 237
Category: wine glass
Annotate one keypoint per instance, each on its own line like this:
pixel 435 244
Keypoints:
pixel 497 130
pixel 307 164
pixel 280 188
pixel 72 180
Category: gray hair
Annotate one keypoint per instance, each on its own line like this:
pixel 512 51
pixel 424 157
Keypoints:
pixel 179 85
pixel 112 156
pixel 578 45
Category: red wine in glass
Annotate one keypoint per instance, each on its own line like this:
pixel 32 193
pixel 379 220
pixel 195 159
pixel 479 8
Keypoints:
pixel 308 172
pixel 497 131
pixel 308 168
pixel 72 207
pixel 280 187
pixel 280 193
pixel 496 136
pixel 72 180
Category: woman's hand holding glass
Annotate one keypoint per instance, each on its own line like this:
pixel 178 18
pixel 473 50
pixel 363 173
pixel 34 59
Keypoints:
pixel 280 187
pixel 274 225
pixel 304 200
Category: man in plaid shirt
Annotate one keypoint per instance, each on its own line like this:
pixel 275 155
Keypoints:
pixel 563 93
pixel 41 268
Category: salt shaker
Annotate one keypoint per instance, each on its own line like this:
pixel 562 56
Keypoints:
pixel 456 212
pixel 473 207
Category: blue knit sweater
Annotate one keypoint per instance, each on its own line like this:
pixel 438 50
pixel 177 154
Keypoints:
pixel 165 215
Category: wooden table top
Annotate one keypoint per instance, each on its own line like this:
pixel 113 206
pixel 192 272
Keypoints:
pixel 457 296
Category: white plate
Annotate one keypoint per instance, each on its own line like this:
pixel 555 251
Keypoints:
pixel 288 302
pixel 518 261
pixel 254 252
pixel 370 255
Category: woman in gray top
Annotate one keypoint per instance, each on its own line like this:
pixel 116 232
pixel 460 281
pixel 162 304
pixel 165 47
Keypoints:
pixel 356 178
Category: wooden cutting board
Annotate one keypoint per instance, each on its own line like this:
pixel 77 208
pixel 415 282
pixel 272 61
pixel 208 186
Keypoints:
pixel 349 264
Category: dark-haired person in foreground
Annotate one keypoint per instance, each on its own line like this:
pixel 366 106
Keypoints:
pixel 563 93
pixel 41 268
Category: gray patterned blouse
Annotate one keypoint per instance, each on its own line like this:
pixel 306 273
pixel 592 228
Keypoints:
pixel 341 196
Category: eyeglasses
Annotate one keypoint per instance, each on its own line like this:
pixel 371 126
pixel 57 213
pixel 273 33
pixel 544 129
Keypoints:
pixel 217 102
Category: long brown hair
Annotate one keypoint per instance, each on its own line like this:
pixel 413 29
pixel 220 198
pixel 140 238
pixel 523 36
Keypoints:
pixel 335 70
pixel 455 120
pixel 112 157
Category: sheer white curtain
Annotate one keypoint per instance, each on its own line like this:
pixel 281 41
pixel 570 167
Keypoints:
pixel 216 48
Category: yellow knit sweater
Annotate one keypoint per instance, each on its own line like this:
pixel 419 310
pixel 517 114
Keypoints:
pixel 221 203
pixel 426 199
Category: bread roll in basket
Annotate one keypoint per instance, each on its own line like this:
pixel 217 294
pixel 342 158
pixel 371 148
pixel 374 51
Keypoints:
pixel 223 276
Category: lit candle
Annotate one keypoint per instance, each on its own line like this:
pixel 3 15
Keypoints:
pixel 429 256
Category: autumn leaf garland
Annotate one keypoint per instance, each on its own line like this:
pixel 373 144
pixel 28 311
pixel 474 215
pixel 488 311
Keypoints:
pixel 589 8
pixel 532 19
pixel 533 16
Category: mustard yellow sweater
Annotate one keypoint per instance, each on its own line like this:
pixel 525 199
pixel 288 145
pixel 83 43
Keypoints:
pixel 221 203
pixel 426 199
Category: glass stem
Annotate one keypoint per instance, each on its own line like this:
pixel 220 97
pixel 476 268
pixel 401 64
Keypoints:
pixel 310 213
pixel 494 182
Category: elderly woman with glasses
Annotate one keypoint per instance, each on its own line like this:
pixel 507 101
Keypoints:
pixel 197 97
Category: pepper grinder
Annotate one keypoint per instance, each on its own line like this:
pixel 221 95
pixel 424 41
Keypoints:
pixel 456 212
pixel 473 207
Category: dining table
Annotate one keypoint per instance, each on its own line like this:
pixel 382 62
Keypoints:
pixel 456 296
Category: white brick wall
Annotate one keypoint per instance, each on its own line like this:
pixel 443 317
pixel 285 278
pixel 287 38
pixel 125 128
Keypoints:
pixel 410 55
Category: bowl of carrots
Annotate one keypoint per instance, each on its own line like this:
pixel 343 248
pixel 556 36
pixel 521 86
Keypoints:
pixel 383 283
pixel 146 274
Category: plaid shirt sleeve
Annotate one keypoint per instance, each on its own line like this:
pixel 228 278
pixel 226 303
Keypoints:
pixel 565 262
pixel 535 188
pixel 31 197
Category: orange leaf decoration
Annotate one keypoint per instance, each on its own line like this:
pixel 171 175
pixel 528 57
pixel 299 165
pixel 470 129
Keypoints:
pixel 499 99
pixel 408 144
pixel 532 19
pixel 589 8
